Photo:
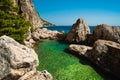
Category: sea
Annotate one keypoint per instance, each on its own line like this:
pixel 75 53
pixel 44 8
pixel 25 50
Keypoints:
pixel 65 29
pixel 63 65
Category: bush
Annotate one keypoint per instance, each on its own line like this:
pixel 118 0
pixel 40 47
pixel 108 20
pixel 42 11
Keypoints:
pixel 13 25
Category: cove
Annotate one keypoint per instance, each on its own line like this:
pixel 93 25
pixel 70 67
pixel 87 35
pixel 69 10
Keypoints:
pixel 54 58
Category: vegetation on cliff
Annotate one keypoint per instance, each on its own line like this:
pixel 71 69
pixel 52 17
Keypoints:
pixel 12 21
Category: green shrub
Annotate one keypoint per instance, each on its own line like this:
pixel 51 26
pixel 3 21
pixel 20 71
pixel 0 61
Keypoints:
pixel 13 25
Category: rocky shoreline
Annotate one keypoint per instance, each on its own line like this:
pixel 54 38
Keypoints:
pixel 20 61
pixel 102 47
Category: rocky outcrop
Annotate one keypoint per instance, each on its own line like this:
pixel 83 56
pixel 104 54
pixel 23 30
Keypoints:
pixel 47 34
pixel 43 33
pixel 80 49
pixel 27 8
pixel 79 32
pixel 106 54
pixel 106 32
pixel 18 62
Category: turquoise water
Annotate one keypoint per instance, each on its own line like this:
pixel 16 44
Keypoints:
pixel 54 58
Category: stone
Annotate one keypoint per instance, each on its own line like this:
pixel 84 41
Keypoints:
pixel 18 62
pixel 47 34
pixel 106 32
pixel 106 54
pixel 29 12
pixel 16 59
pixel 79 32
pixel 80 49
pixel 36 36
pixel 43 75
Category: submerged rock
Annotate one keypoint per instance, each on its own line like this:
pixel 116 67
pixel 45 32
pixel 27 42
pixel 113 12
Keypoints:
pixel 106 32
pixel 16 60
pixel 79 32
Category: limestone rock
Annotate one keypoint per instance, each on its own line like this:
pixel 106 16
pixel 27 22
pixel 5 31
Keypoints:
pixel 79 32
pixel 36 36
pixel 43 75
pixel 47 34
pixel 18 62
pixel 106 32
pixel 80 49
pixel 106 54
pixel 28 10
pixel 16 59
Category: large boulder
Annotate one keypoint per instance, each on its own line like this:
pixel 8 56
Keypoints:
pixel 106 32
pixel 79 32
pixel 16 60
pixel 106 54
pixel 80 49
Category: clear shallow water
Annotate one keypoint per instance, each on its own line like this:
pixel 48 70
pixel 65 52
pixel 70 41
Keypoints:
pixel 62 65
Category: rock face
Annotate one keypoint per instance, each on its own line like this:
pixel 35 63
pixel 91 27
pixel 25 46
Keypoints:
pixel 27 8
pixel 47 34
pixel 43 34
pixel 106 54
pixel 106 32
pixel 17 62
pixel 80 49
pixel 79 32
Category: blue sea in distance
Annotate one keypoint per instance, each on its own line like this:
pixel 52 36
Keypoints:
pixel 66 29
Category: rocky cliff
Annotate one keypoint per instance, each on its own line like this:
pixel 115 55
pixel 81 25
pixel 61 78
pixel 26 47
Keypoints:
pixel 28 10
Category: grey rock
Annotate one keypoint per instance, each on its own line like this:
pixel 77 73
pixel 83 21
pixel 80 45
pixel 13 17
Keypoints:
pixel 79 32
pixel 43 75
pixel 47 34
pixel 16 59
pixel 18 62
pixel 106 54
pixel 80 49
pixel 29 12
pixel 106 32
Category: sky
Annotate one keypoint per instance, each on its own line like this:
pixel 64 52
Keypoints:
pixel 66 12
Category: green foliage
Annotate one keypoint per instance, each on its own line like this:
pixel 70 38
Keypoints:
pixel 12 23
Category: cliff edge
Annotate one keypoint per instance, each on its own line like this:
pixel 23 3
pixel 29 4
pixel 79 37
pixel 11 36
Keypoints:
pixel 29 12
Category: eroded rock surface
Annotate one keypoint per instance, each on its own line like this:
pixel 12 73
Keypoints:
pixel 79 32
pixel 27 8
pixel 17 60
pixel 47 34
pixel 106 54
pixel 106 32
pixel 80 49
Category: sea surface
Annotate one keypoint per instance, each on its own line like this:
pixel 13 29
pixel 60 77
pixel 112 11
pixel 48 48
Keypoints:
pixel 66 29
pixel 63 65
